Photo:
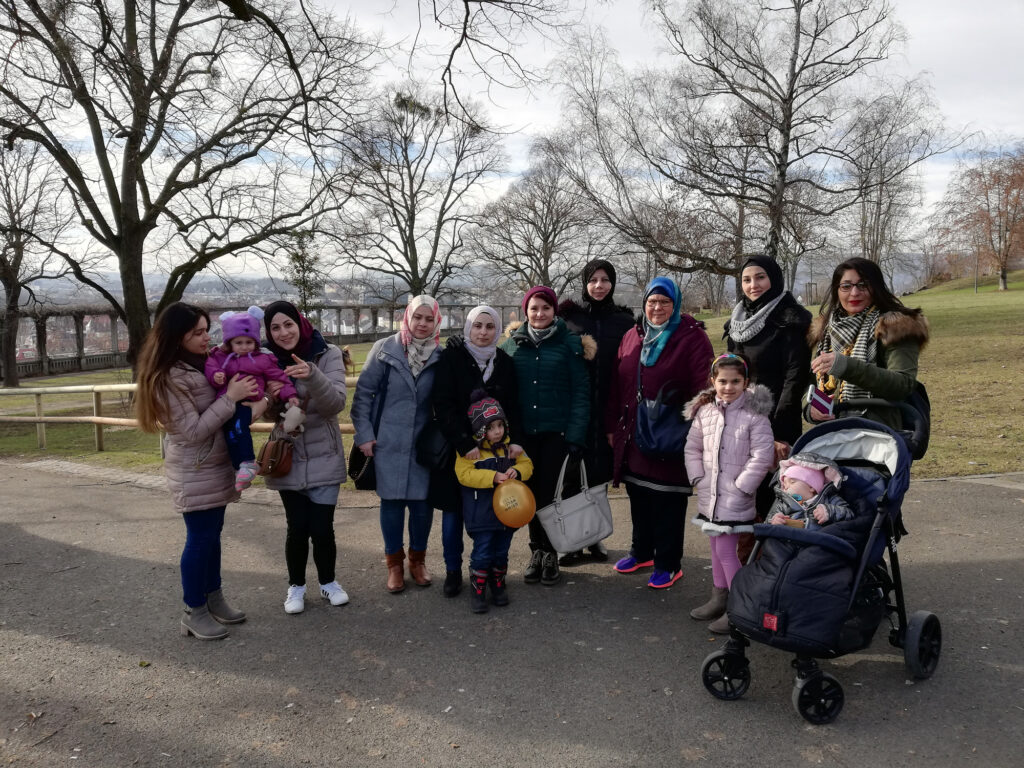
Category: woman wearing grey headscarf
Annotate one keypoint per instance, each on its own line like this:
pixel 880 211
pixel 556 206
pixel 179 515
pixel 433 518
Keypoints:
pixel 469 363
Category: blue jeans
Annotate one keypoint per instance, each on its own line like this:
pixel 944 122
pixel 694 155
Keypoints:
pixel 200 559
pixel 392 517
pixel 451 538
pixel 238 436
pixel 490 549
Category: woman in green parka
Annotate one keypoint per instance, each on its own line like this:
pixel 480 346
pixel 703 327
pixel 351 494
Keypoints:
pixel 554 409
pixel 865 343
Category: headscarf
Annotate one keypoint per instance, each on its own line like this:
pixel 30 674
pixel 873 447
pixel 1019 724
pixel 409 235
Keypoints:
pixel 418 351
pixel 657 336
pixel 484 356
pixel 310 343
pixel 749 317
pixel 588 272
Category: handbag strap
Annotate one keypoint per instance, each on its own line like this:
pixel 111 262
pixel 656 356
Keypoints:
pixel 561 478
pixel 382 398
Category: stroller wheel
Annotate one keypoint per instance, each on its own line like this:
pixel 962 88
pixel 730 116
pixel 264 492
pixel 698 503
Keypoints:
pixel 726 675
pixel 818 698
pixel 922 644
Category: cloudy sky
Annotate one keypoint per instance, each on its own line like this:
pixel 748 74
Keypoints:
pixel 969 48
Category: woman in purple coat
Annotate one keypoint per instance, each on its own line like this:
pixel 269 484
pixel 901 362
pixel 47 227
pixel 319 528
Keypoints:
pixel 668 353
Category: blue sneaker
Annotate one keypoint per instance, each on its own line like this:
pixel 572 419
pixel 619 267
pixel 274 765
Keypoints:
pixel 664 579
pixel 631 564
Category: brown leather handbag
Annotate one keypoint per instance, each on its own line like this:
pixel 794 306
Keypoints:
pixel 275 457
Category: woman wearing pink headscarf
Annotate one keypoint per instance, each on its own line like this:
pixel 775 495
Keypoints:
pixel 399 373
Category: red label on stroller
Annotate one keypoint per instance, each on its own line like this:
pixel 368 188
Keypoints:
pixel 770 621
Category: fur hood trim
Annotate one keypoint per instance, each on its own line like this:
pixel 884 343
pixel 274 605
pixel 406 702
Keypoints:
pixel 893 328
pixel 588 341
pixel 589 346
pixel 758 400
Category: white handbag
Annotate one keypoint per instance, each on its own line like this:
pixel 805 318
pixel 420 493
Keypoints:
pixel 580 520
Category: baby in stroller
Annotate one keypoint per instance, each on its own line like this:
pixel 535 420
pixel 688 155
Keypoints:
pixel 808 493
pixel 821 591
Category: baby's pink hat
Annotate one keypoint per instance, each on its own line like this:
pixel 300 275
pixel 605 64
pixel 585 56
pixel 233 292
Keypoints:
pixel 815 478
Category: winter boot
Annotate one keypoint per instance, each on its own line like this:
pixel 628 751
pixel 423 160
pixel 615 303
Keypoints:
pixel 452 583
pixel 396 571
pixel 199 623
pixel 221 611
pixel 720 626
pixel 532 573
pixel 478 595
pixel 499 592
pixel 418 567
pixel 549 574
pixel 714 607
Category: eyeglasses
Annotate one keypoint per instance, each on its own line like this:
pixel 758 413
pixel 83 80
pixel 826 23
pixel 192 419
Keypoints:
pixel 659 303
pixel 861 286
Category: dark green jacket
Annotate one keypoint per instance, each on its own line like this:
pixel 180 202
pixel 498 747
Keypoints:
pixel 554 387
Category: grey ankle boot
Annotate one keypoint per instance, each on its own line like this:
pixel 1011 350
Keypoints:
pixel 221 611
pixel 714 607
pixel 199 623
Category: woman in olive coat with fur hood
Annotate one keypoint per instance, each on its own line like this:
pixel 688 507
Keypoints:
pixel 865 343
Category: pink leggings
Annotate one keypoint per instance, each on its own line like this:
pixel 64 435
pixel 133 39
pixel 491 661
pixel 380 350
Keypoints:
pixel 724 560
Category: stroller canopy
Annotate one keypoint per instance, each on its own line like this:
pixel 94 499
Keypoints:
pixel 855 439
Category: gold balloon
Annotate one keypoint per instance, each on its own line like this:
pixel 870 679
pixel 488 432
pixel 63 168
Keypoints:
pixel 514 503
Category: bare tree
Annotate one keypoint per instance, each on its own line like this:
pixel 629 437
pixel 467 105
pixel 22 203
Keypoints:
pixel 204 137
pixel 540 232
pixel 984 206
pixel 786 64
pixel 417 173
pixel 34 222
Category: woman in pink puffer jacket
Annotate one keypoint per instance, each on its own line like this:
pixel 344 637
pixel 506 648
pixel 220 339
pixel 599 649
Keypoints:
pixel 729 450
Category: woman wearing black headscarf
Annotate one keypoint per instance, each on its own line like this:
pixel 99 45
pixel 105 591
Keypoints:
pixel 606 322
pixel 769 328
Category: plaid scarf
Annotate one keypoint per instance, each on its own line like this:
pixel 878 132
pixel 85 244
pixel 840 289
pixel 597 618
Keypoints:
pixel 853 336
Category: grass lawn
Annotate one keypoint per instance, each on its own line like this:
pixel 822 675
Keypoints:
pixel 973 369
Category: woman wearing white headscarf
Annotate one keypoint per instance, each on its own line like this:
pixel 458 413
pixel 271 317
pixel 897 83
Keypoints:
pixel 400 370
pixel 469 363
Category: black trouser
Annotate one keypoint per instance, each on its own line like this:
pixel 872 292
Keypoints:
pixel 547 451
pixel 306 521
pixel 658 521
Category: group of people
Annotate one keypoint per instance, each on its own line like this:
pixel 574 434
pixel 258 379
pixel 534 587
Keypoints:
pixel 574 382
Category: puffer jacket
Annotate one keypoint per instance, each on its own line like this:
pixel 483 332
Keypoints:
pixel 318 458
pixel 729 450
pixel 406 412
pixel 893 375
pixel 477 480
pixel 681 370
pixel 262 366
pixel 554 386
pixel 196 461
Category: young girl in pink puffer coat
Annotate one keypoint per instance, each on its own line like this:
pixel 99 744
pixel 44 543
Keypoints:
pixel 729 450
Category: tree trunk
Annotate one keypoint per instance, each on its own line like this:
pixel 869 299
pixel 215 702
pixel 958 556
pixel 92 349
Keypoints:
pixel 1002 278
pixel 136 305
pixel 9 341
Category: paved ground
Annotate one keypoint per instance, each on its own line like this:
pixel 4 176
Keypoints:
pixel 599 671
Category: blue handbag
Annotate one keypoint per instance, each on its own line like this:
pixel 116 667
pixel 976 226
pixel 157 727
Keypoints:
pixel 661 429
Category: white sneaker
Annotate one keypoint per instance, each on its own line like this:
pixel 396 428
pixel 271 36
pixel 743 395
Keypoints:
pixel 334 593
pixel 296 600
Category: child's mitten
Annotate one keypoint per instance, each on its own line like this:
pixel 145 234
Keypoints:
pixel 294 418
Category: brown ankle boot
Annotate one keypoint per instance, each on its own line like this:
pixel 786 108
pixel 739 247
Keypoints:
pixel 714 607
pixel 396 571
pixel 418 567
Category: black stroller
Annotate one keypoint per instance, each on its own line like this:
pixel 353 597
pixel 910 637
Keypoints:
pixel 823 593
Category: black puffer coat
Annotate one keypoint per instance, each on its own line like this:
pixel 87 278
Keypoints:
pixel 607 326
pixel 780 358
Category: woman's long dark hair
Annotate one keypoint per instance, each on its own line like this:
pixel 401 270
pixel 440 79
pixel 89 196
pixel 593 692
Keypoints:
pixel 882 298
pixel 159 352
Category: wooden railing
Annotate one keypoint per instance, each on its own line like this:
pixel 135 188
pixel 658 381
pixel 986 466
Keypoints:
pixel 97 419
